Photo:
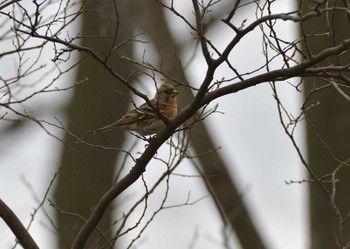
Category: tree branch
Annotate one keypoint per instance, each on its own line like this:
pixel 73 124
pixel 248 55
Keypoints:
pixel 141 163
pixel 21 233
pixel 276 75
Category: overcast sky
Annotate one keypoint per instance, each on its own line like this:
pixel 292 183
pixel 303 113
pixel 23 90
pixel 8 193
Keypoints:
pixel 251 138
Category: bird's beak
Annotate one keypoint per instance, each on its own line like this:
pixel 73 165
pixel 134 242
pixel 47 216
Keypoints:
pixel 174 93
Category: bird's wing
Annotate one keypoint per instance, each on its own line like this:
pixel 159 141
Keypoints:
pixel 142 113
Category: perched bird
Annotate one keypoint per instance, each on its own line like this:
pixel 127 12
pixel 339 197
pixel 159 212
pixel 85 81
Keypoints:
pixel 145 120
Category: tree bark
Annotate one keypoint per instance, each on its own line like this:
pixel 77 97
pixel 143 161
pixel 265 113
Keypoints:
pixel 87 172
pixel 329 131
pixel 152 20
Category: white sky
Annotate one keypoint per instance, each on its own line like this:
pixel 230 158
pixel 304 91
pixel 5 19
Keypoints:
pixel 251 138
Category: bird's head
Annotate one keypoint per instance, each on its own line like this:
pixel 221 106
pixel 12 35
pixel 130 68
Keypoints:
pixel 166 92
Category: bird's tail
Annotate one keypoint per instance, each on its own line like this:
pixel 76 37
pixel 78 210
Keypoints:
pixel 105 128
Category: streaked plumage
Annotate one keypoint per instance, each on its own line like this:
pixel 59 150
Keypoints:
pixel 144 120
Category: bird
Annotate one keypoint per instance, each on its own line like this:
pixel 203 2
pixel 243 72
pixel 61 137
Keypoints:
pixel 144 119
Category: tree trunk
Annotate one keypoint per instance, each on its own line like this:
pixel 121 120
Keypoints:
pixel 87 172
pixel 330 121
pixel 151 18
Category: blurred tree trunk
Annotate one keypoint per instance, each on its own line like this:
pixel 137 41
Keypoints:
pixel 331 120
pixel 87 172
pixel 149 15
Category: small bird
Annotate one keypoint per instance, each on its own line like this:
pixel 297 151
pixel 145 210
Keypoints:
pixel 144 120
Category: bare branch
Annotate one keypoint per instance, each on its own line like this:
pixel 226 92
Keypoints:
pixel 21 233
